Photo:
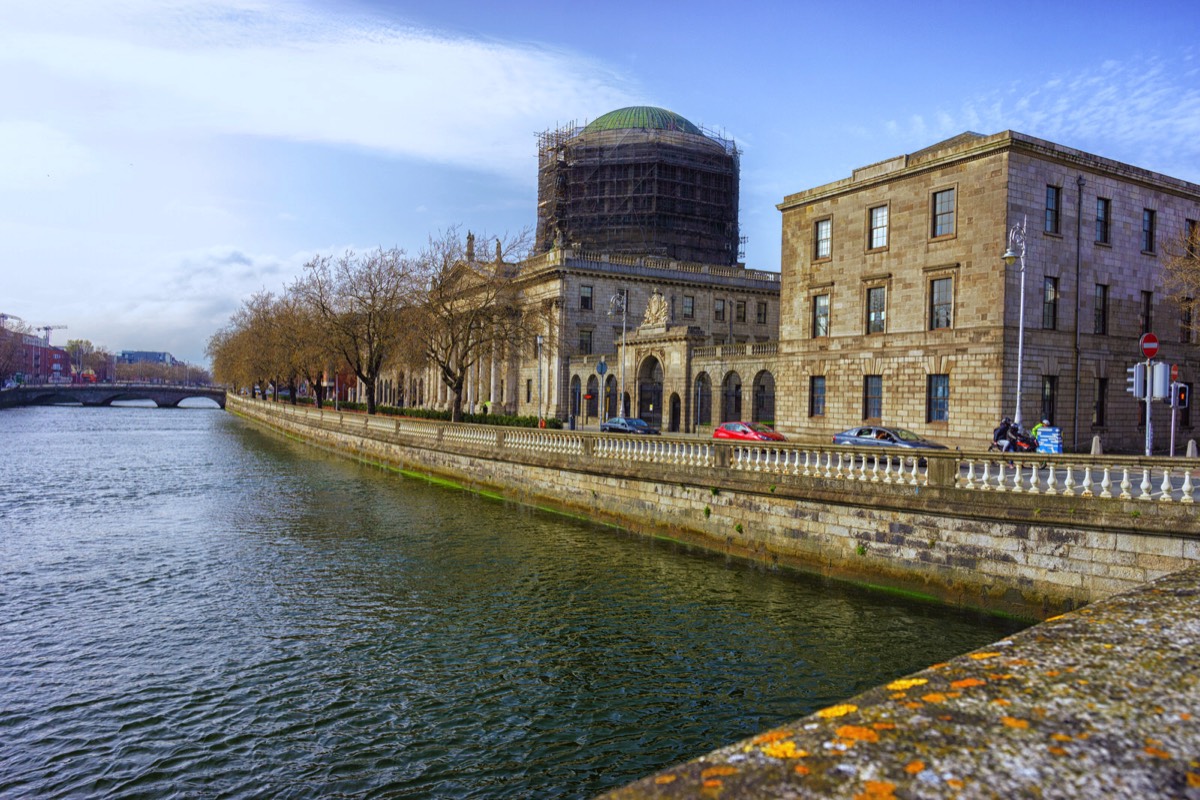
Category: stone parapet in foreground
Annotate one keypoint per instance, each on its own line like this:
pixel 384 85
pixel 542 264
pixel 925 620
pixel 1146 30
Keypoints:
pixel 1100 702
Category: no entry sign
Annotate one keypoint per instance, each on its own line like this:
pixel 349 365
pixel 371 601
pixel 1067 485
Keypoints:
pixel 1149 345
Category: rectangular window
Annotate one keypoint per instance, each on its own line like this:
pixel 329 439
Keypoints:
pixel 1049 389
pixel 1099 402
pixel 823 239
pixel 689 306
pixel 1148 230
pixel 1192 232
pixel 1050 303
pixel 1103 217
pixel 528 390
pixel 719 310
pixel 585 298
pixel 761 313
pixel 585 343
pixel 879 228
pixel 739 309
pixel 1185 320
pixel 1053 209
pixel 941 303
pixel 820 316
pixel 1100 326
pixel 816 396
pixel 873 397
pixel 937 398
pixel 1147 311
pixel 943 213
pixel 876 309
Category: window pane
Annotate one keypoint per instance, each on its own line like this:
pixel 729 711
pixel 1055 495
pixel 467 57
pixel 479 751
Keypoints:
pixel 1053 204
pixel 937 398
pixel 1101 310
pixel 873 397
pixel 876 309
pixel 823 238
pixel 816 396
pixel 943 213
pixel 1147 230
pixel 1050 304
pixel 879 227
pixel 1102 220
pixel 689 306
pixel 940 303
pixel 820 326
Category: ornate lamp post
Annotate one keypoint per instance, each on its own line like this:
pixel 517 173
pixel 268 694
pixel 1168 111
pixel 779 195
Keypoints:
pixel 618 304
pixel 1015 251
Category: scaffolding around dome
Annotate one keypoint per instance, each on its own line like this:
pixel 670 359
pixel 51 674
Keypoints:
pixel 639 180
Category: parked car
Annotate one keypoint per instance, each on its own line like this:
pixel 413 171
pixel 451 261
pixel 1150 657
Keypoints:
pixel 627 425
pixel 747 431
pixel 890 437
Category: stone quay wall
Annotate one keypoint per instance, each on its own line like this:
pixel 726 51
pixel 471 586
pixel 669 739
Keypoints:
pixel 943 526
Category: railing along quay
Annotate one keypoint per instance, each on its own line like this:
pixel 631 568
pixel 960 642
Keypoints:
pixel 1086 477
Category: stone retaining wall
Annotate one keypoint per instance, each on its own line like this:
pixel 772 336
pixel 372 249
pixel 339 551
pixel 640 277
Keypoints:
pixel 1031 555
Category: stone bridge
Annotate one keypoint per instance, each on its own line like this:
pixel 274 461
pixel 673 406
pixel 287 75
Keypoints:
pixel 105 394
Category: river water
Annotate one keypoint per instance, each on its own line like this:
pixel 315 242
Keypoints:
pixel 193 607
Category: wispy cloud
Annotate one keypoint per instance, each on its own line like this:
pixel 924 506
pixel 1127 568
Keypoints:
pixel 283 71
pixel 1142 111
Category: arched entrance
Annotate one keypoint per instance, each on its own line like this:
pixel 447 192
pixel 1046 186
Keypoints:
pixel 764 398
pixel 592 397
pixel 650 391
pixel 731 398
pixel 676 413
pixel 703 414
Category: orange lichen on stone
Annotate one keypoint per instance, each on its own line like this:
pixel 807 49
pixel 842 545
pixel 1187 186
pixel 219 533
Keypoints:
pixel 1056 616
pixel 1193 780
pixel 967 683
pixel 1061 737
pixel 1013 722
pixel 1156 751
pixel 1056 750
pixel 982 656
pixel 857 733
pixel 801 769
pixel 771 736
pixel 934 697
pixel 912 704
pixel 1000 701
pixel 883 726
pixel 837 711
pixel 913 767
pixel 877 790
pixel 1001 676
pixel 783 750
pixel 906 683
pixel 955 783
pixel 713 784
pixel 718 771
pixel 664 779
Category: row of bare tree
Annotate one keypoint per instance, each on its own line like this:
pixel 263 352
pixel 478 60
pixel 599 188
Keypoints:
pixel 370 313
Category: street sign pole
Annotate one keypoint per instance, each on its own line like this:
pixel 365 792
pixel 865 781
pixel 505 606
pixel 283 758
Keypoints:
pixel 1149 346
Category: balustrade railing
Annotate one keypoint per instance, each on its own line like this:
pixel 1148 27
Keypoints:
pixel 1091 478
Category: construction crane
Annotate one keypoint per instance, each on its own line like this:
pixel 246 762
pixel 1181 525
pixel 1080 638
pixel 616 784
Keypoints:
pixel 45 329
pixel 4 318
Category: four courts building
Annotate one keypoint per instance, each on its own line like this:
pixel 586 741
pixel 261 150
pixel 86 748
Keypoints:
pixel 892 305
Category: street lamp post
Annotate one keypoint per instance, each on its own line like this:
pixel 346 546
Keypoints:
pixel 619 304
pixel 539 377
pixel 1015 251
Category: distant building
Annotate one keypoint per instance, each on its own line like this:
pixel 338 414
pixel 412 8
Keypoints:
pixel 639 180
pixel 146 356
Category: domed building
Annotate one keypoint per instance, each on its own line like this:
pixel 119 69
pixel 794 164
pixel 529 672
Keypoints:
pixel 639 180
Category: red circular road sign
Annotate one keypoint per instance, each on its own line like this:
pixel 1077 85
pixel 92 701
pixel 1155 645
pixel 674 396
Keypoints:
pixel 1149 345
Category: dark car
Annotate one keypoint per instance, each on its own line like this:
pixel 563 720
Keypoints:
pixel 890 437
pixel 627 425
pixel 747 431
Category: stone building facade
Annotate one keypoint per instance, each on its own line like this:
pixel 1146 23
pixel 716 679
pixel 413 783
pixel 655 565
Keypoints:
pixel 897 307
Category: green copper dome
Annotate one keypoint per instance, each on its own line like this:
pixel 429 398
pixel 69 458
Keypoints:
pixel 645 117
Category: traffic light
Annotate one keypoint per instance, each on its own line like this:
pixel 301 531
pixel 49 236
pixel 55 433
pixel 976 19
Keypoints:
pixel 1181 395
pixel 1135 383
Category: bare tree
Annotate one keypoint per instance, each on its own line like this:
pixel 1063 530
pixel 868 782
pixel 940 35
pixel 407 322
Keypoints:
pixel 361 302
pixel 470 307
pixel 1181 276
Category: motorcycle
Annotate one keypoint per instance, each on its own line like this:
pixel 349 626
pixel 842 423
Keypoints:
pixel 1019 442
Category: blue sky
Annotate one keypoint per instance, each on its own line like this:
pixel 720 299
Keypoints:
pixel 160 161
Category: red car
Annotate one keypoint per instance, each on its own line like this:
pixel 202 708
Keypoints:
pixel 747 431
